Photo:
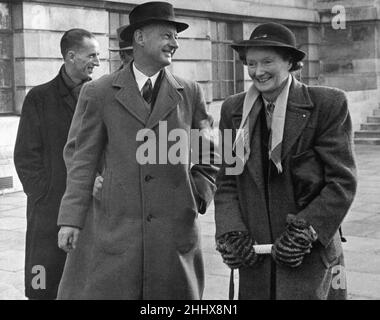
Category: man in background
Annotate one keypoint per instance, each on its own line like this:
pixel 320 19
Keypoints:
pixel 44 125
pixel 125 48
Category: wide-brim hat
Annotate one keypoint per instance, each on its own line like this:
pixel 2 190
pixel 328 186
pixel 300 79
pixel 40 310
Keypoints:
pixel 148 13
pixel 270 35
pixel 123 45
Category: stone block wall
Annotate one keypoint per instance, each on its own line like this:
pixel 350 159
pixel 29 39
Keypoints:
pixel 350 55
pixel 38 29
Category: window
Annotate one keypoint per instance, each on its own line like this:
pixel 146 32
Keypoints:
pixel 116 20
pixel 227 69
pixel 6 71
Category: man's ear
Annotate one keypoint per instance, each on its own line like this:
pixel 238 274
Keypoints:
pixel 290 64
pixel 138 36
pixel 70 55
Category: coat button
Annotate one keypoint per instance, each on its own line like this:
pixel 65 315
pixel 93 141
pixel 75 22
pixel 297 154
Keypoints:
pixel 148 178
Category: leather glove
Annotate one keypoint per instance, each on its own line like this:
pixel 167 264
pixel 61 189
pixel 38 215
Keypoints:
pixel 291 247
pixel 237 249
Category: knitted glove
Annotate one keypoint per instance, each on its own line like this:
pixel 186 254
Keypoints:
pixel 291 247
pixel 237 249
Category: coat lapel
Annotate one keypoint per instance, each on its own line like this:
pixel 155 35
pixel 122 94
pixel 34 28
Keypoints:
pixel 129 96
pixel 67 99
pixel 254 163
pixel 297 115
pixel 168 99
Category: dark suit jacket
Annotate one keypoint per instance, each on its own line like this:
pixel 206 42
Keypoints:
pixel 318 183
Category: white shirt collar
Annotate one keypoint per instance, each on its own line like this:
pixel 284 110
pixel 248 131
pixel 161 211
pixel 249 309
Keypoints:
pixel 141 78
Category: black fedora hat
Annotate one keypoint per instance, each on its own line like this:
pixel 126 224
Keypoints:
pixel 148 13
pixel 123 45
pixel 270 35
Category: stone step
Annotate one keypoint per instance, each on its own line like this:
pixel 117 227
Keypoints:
pixel 370 126
pixel 373 119
pixel 367 134
pixel 376 112
pixel 368 141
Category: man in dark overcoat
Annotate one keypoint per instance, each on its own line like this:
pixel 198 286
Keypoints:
pixel 296 180
pixel 44 125
pixel 142 237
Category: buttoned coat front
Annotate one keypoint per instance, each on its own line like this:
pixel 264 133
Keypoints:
pixel 141 240
pixel 318 184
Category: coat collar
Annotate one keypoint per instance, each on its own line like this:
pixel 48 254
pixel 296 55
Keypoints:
pixel 68 100
pixel 298 110
pixel 129 96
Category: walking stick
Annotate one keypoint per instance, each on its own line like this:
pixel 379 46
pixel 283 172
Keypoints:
pixel 259 249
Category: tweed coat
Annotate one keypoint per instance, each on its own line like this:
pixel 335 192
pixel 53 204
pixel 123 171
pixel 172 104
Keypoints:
pixel 141 240
pixel 44 125
pixel 318 183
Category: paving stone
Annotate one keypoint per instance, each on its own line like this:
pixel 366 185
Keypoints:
pixel 358 228
pixel 362 262
pixel 19 212
pixel 363 284
pixel 11 223
pixel 357 216
pixel 11 285
pixel 216 287
pixel 12 240
pixel 12 260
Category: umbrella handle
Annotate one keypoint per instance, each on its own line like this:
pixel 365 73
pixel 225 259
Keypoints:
pixel 263 248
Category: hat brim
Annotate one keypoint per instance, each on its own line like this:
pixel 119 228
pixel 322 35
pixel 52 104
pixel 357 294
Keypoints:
pixel 121 49
pixel 127 33
pixel 245 44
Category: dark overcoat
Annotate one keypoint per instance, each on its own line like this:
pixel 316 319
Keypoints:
pixel 318 184
pixel 141 240
pixel 44 125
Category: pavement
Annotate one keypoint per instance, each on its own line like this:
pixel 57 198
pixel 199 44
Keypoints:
pixel 361 228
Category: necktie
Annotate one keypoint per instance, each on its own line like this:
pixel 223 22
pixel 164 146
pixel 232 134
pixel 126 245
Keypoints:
pixel 147 91
pixel 269 111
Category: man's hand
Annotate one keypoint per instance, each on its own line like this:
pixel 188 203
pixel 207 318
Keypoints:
pixel 98 184
pixel 68 238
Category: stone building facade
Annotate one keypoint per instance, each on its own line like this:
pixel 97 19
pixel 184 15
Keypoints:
pixel 340 38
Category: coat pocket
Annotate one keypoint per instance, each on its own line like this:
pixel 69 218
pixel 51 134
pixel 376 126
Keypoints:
pixel 197 198
pixel 110 225
pixel 308 177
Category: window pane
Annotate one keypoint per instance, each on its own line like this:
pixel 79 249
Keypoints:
pixel 230 52
pixel 222 71
pixel 214 51
pixel 224 59
pixel 230 70
pixel 6 57
pixel 222 30
pixel 215 73
pixel 214 31
pixel 222 51
pixel 230 88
